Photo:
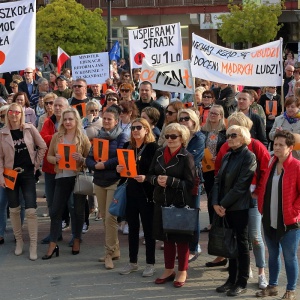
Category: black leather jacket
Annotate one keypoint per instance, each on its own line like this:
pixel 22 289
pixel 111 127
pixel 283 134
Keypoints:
pixel 232 184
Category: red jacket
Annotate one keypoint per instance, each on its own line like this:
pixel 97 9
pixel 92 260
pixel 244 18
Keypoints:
pixel 290 189
pixel 47 133
pixel 262 158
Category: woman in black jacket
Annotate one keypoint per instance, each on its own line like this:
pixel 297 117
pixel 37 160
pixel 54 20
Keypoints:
pixel 231 198
pixel 172 173
pixel 140 197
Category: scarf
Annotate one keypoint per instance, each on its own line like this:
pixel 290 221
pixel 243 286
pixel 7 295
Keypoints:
pixel 168 155
pixel 270 95
pixel 109 135
pixel 290 119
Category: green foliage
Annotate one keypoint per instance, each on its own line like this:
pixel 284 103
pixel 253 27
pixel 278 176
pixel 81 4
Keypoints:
pixel 250 22
pixel 67 24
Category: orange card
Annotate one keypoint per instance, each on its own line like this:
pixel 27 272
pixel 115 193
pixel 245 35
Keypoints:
pixel 207 163
pixel 81 109
pixel 297 146
pixel 67 162
pixel 100 149
pixel 10 178
pixel 126 158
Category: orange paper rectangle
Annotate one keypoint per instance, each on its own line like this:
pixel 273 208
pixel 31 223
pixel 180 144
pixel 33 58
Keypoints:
pixel 81 109
pixel 126 158
pixel 100 149
pixel 67 162
pixel 10 178
pixel 207 163
pixel 297 146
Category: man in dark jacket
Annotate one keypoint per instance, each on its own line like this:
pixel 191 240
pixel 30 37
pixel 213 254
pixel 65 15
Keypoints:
pixel 29 86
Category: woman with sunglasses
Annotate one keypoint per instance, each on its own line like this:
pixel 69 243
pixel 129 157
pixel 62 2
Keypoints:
pixel 29 113
pixel 126 90
pixel 189 118
pixel 49 109
pixel 21 149
pixel 231 198
pixel 111 98
pixel 129 112
pixel 171 117
pixel 92 123
pixel 140 197
pixel 208 99
pixel 106 180
pixel 172 172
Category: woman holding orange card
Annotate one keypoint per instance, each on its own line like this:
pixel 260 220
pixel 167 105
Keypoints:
pixel 68 146
pixel 106 179
pixel 140 196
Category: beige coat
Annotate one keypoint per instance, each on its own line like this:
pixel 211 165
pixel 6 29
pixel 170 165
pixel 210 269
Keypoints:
pixel 35 144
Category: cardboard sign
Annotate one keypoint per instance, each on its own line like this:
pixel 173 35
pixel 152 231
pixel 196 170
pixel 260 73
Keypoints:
pixel 297 146
pixel 100 149
pixel 66 162
pixel 207 163
pixel 248 67
pixel 126 158
pixel 10 178
pixel 81 109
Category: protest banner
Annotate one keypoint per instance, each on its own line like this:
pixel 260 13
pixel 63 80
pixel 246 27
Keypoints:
pixel 126 158
pixel 256 66
pixel 159 45
pixel 67 162
pixel 17 37
pixel 94 67
pixel 175 77
pixel 100 149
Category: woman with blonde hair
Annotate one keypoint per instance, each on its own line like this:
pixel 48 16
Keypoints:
pixel 140 197
pixel 21 149
pixel 172 172
pixel 49 109
pixel 69 132
pixel 92 123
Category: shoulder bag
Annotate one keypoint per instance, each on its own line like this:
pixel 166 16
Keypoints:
pixel 84 184
pixel 117 206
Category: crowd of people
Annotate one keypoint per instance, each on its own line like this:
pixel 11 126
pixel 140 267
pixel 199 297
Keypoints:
pixel 234 143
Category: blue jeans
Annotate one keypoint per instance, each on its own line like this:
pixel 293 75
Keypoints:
pixel 288 245
pixel 254 229
pixel 3 211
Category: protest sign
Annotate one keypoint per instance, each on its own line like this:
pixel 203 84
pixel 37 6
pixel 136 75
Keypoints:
pixel 17 37
pixel 175 77
pixel 67 162
pixel 100 149
pixel 126 158
pixel 159 45
pixel 94 67
pixel 256 66
pixel 10 178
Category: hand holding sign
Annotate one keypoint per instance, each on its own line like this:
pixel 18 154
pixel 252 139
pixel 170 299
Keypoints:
pixel 66 161
pixel 127 160
pixel 10 178
pixel 100 149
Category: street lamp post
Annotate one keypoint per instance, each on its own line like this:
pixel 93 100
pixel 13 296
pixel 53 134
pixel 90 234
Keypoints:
pixel 109 40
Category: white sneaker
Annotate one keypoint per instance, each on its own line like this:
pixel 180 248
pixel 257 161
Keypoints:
pixel 250 272
pixel 85 228
pixel 148 271
pixel 262 282
pixel 126 229
pixel 64 226
pixel 129 268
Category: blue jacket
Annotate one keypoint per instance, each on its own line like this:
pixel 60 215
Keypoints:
pixel 196 147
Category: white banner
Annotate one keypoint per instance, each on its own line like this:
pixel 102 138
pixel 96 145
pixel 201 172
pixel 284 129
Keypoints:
pixel 259 66
pixel 159 45
pixel 174 77
pixel 17 35
pixel 93 67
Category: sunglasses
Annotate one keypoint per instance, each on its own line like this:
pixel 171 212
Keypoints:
pixel 170 113
pixel 127 75
pixel 78 85
pixel 214 113
pixel 124 90
pixel 138 127
pixel 206 97
pixel 49 103
pixel 112 99
pixel 171 136
pixel 14 112
pixel 184 119
pixel 28 72
pixel 92 111
pixel 231 135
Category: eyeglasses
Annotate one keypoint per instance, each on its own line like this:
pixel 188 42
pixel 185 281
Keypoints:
pixel 28 72
pixel 14 112
pixel 78 85
pixel 168 112
pixel 112 99
pixel 171 136
pixel 92 111
pixel 214 113
pixel 289 71
pixel 184 119
pixel 207 97
pixel 49 103
pixel 231 135
pixel 124 90
pixel 138 127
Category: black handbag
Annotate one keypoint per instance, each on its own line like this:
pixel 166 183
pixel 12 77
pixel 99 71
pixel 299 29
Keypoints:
pixel 180 220
pixel 222 240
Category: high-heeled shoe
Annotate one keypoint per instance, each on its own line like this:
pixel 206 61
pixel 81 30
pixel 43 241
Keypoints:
pixel 77 245
pixel 55 250
pixel 164 280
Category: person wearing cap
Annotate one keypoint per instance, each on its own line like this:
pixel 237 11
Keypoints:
pixel 47 66
pixel 62 87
